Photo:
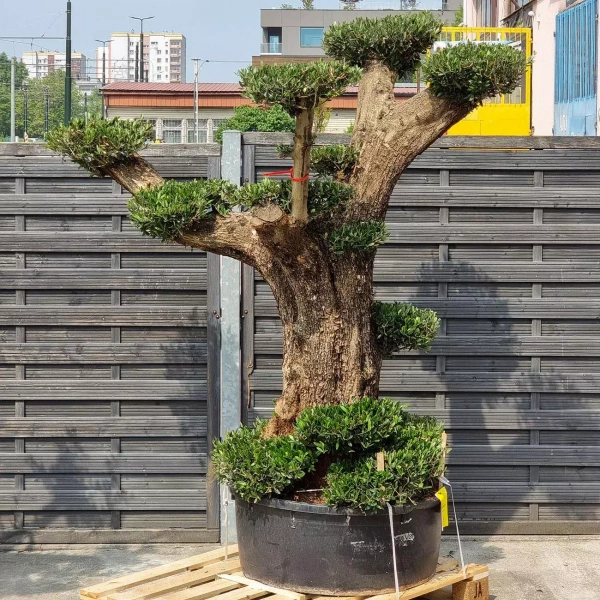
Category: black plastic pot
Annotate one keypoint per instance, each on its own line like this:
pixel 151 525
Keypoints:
pixel 318 549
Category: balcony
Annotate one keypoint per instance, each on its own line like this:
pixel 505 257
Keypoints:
pixel 270 48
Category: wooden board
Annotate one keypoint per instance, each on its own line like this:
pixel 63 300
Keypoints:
pixel 210 576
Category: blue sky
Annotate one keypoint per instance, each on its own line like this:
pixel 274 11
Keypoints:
pixel 226 30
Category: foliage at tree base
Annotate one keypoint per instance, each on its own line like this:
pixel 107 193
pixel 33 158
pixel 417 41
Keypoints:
pixel 349 436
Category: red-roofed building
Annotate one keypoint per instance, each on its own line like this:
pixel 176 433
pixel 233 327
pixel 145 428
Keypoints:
pixel 170 107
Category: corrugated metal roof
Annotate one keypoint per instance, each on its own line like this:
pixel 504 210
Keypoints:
pixel 170 88
pixel 217 88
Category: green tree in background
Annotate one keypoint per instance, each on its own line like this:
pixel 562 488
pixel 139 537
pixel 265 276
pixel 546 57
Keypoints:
pixel 21 76
pixel 254 118
pixel 36 112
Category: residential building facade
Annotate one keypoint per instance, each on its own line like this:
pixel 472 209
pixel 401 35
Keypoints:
pixel 170 107
pixel 164 58
pixel 42 64
pixel 564 86
pixel 297 35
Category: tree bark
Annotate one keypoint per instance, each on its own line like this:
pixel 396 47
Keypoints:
pixel 390 135
pixel 135 174
pixel 329 350
pixel 301 156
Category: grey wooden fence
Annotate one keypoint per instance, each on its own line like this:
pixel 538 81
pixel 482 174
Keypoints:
pixel 105 417
pixel 505 245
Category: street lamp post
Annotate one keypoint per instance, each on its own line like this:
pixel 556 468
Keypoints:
pixel 141 20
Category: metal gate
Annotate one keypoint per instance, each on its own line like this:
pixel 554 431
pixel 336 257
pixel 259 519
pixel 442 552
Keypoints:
pixel 575 70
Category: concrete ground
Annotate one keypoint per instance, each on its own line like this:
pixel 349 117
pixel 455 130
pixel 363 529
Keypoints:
pixel 522 568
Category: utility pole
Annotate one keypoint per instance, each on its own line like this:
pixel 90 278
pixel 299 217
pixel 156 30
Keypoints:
pixel 85 107
pixel 25 111
pixel 141 20
pixel 104 42
pixel 46 110
pixel 196 96
pixel 12 98
pixel 196 71
pixel 137 61
pixel 68 67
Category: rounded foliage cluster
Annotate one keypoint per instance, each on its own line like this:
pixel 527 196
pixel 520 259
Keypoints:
pixel 297 86
pixel 350 428
pixel 468 73
pixel 100 144
pixel 334 161
pixel 400 326
pixel 360 237
pixel 255 118
pixel 166 211
pixel 411 467
pixel 255 466
pixel 396 41
pixel 347 437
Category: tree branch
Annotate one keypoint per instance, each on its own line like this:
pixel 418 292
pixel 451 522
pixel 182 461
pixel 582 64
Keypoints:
pixel 301 157
pixel 134 174
pixel 390 135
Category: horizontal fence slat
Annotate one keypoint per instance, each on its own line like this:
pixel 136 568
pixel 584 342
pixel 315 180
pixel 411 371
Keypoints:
pixel 80 462
pixel 103 427
pixel 103 500
pixel 113 316
pixel 32 353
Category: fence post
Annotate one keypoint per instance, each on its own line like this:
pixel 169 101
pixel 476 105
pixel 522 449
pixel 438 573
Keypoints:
pixel 231 380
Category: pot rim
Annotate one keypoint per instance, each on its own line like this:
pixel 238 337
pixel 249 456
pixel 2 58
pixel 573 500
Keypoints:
pixel 305 507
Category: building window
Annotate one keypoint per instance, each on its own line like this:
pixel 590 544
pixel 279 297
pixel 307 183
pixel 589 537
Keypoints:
pixel 159 52
pixel 158 60
pixel 311 37
pixel 202 131
pixel 159 68
pixel 172 131
pixel 159 77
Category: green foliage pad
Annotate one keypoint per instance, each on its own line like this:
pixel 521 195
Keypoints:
pixel 412 467
pixel 100 144
pixel 404 326
pixel 349 435
pixel 255 118
pixel 361 237
pixel 334 161
pixel 396 41
pixel 297 86
pixel 350 428
pixel 255 467
pixel 469 73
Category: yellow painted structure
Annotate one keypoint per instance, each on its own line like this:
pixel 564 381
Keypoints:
pixel 508 114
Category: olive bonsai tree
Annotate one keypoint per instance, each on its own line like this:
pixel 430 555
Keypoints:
pixel 314 238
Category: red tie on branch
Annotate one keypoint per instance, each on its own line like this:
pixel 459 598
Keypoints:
pixel 287 172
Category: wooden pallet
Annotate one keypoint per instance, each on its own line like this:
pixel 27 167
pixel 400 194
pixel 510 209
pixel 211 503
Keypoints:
pixel 215 576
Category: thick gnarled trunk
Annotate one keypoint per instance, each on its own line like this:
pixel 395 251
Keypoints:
pixel 329 351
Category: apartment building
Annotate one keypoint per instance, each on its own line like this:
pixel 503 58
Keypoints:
pixel 42 64
pixel 297 35
pixel 164 58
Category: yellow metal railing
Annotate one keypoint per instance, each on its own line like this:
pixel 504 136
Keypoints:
pixel 506 114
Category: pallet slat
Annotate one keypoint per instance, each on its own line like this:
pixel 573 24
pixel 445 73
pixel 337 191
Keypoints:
pixel 102 590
